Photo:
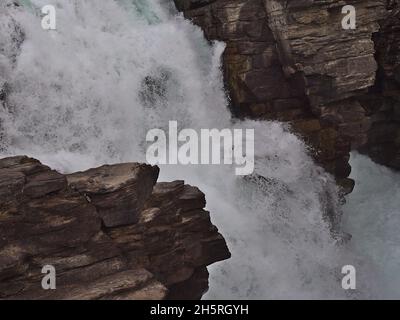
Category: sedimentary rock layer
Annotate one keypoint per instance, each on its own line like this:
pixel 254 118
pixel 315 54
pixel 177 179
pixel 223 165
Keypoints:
pixel 111 233
pixel 292 60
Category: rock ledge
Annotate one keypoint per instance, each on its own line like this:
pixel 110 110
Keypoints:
pixel 111 233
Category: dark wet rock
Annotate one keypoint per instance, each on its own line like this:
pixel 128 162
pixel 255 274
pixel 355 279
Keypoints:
pixel 383 100
pixel 111 233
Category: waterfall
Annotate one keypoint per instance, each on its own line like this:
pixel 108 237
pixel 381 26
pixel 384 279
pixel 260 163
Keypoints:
pixel 87 93
pixel 372 215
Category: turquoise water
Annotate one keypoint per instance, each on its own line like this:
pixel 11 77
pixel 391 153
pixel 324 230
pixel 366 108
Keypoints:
pixel 28 4
pixel 142 8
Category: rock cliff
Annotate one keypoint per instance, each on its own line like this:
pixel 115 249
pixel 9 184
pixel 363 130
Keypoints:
pixel 291 60
pixel 382 103
pixel 110 233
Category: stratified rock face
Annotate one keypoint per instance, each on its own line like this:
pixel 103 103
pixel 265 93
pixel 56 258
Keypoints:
pixel 110 233
pixel 383 101
pixel 118 192
pixel 292 60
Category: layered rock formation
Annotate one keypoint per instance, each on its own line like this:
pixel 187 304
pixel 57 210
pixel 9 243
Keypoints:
pixel 292 60
pixel 110 233
pixel 383 101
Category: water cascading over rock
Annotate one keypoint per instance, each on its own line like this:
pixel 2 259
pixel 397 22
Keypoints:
pixel 86 94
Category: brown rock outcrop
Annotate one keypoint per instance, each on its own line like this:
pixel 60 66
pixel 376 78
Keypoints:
pixel 383 101
pixel 110 233
pixel 291 60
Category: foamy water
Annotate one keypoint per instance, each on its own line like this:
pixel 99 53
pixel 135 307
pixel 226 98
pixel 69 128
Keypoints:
pixel 87 94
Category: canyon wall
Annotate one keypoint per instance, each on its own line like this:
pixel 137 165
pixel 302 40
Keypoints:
pixel 110 233
pixel 291 60
pixel 382 103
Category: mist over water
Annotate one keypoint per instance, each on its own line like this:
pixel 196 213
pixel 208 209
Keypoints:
pixel 372 216
pixel 87 93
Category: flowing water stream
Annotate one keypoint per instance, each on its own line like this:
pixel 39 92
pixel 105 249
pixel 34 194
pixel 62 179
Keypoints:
pixel 87 93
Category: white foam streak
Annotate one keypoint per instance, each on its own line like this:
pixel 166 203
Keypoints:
pixel 87 93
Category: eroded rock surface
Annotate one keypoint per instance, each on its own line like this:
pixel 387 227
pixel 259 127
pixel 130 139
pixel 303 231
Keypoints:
pixel 110 233
pixel 383 101
pixel 291 60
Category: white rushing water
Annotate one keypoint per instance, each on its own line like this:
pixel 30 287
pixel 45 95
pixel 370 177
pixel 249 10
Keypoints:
pixel 372 216
pixel 87 93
